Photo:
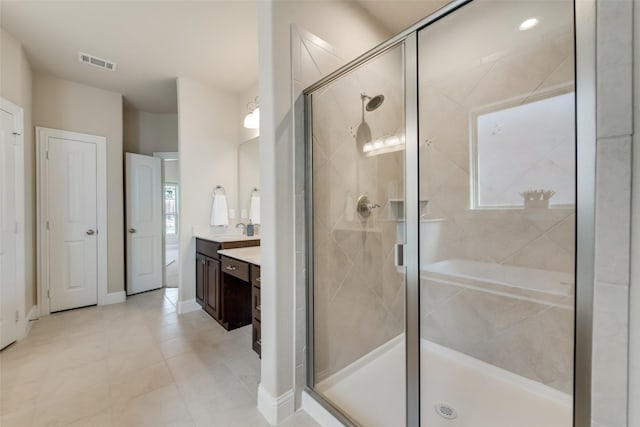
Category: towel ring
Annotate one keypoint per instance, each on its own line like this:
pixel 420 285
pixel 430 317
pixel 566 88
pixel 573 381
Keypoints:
pixel 255 191
pixel 219 190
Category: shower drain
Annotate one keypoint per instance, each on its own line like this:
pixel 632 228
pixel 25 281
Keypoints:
pixel 446 411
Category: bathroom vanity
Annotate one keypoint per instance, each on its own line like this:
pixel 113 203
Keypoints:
pixel 223 286
pixel 241 267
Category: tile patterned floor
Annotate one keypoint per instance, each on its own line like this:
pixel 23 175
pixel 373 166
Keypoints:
pixel 132 364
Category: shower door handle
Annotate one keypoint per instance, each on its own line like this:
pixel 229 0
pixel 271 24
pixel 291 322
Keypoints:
pixel 399 254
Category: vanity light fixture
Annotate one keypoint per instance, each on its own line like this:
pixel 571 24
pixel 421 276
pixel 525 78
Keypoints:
pixel 252 119
pixel 528 24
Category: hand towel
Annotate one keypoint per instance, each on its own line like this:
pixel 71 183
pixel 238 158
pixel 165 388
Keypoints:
pixel 219 211
pixel 254 216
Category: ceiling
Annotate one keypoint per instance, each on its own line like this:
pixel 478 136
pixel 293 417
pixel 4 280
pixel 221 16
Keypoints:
pixel 153 42
pixel 397 15
pixel 213 42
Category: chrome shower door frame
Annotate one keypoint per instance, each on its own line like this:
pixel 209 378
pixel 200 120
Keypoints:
pixel 585 66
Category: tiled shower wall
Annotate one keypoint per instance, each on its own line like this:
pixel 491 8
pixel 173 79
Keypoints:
pixel 534 238
pixel 359 295
pixel 500 329
pixel 359 298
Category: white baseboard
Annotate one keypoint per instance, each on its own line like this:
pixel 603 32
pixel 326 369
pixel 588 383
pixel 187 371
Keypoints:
pixel 24 326
pixel 275 409
pixel 318 412
pixel 114 298
pixel 188 306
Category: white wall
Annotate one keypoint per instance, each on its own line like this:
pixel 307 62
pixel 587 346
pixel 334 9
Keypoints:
pixel 208 137
pixel 16 86
pixel 146 133
pixel 62 104
pixel 171 170
pixel 350 32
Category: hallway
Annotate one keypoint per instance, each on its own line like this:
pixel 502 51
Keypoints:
pixel 132 364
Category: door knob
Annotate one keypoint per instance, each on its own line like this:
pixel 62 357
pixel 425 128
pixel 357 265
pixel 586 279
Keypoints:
pixel 132 230
pixel 90 232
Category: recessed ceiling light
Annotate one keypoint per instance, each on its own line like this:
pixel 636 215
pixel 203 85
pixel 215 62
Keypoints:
pixel 528 24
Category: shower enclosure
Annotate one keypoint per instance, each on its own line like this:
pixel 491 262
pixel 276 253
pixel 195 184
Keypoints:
pixel 441 224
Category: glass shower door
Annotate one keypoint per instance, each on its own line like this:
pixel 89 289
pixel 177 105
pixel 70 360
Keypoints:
pixel 497 228
pixel 357 216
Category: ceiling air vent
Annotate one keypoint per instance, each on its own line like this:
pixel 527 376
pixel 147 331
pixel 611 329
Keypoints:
pixel 97 62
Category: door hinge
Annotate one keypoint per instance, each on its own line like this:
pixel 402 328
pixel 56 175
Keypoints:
pixel 16 228
pixel 17 316
pixel 399 255
pixel 48 294
pixel 47 225
pixel 47 155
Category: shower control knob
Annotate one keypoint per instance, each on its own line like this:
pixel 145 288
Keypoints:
pixel 364 207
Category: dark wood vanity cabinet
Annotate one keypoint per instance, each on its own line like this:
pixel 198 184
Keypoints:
pixel 212 296
pixel 208 283
pixel 256 309
pixel 226 297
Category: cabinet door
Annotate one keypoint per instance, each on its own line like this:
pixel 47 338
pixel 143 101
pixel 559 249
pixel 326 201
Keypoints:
pixel 200 278
pixel 212 288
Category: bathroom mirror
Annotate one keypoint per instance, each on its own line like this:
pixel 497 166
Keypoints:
pixel 248 174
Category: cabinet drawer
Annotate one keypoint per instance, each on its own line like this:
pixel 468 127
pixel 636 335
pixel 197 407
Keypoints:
pixel 208 248
pixel 255 275
pixel 235 268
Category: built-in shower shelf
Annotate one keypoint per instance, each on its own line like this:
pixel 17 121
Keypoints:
pixel 397 208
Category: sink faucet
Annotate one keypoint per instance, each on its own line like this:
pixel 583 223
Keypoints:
pixel 244 227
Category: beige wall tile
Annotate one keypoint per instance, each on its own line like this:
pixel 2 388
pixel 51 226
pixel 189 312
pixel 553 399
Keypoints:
pixel 614 64
pixel 613 210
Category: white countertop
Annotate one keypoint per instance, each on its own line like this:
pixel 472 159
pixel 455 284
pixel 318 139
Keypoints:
pixel 250 254
pixel 224 238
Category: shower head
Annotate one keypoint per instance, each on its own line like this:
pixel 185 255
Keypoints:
pixel 373 103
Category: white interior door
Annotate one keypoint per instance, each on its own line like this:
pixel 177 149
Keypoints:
pixel 8 231
pixel 144 222
pixel 73 218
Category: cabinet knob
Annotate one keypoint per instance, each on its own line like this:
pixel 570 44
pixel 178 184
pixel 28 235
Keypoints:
pixel 259 307
pixel 231 267
pixel 258 280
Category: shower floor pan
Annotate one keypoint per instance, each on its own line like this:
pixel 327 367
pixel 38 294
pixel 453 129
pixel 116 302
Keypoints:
pixel 371 391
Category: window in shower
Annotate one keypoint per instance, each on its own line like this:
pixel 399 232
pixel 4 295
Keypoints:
pixel 523 152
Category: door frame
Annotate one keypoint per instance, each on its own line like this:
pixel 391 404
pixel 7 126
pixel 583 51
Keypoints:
pixel 168 155
pixel 42 187
pixel 18 131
